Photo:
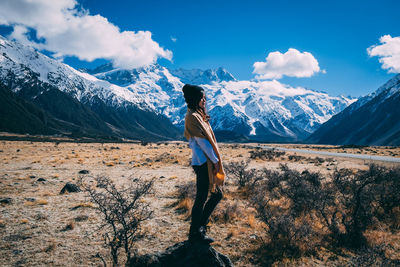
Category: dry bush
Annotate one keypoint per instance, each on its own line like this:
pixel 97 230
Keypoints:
pixel 186 193
pixel 240 173
pixel 296 158
pixel 363 199
pixel 226 213
pixel 265 154
pixel 317 160
pixel 303 211
pixel 165 158
pixel 283 202
pixel 373 256
pixel 187 190
pixel 123 212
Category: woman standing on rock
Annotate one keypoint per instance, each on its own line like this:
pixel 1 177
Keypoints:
pixel 206 161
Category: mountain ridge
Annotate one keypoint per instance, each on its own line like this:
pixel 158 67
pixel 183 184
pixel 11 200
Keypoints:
pixel 149 101
pixel 23 69
pixel 234 104
pixel 372 120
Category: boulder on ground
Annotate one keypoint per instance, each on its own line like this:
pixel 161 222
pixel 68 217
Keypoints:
pixel 185 253
pixel 5 200
pixel 71 188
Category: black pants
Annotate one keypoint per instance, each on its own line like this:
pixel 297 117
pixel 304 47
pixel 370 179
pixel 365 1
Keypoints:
pixel 200 211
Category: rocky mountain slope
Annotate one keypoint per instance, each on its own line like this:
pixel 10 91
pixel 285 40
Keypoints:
pixel 372 120
pixel 88 105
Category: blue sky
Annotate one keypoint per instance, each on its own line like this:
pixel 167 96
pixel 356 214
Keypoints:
pixel 236 34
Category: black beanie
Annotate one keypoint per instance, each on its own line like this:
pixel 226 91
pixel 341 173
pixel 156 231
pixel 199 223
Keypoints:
pixel 193 94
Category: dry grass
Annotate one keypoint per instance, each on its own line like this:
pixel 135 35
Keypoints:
pixel 36 202
pixel 66 226
pixel 251 220
pixel 83 205
pixel 50 247
pixel 185 206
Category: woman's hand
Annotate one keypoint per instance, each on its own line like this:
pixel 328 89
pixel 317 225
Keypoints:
pixel 215 168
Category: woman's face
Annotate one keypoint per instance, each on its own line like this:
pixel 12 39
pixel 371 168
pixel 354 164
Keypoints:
pixel 202 103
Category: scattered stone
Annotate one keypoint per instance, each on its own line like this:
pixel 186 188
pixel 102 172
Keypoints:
pixel 81 218
pixel 32 176
pixel 30 199
pixel 16 237
pixel 162 176
pixel 5 200
pixel 83 172
pixel 41 180
pixel 18 150
pixel 68 227
pixel 40 217
pixel 71 188
pixel 253 236
pixel 17 251
pixel 184 254
pixel 26 168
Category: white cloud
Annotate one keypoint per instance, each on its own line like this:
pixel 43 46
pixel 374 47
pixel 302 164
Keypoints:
pixel 173 39
pixel 68 30
pixel 292 63
pixel 388 52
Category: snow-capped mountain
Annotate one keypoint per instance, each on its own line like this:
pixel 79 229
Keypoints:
pixel 120 111
pixel 140 100
pixel 372 120
pixel 197 76
pixel 266 111
pixel 17 58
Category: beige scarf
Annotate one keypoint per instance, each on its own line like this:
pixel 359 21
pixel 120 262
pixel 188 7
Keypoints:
pixel 197 125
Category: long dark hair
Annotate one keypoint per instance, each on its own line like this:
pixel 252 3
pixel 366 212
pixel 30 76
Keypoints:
pixel 193 94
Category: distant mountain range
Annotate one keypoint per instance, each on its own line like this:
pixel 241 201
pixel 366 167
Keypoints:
pixel 240 110
pixel 372 120
pixel 147 103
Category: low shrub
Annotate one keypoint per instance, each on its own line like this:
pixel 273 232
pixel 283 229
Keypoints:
pixel 265 154
pixel 241 175
pixel 226 213
pixel 123 211
pixel 304 210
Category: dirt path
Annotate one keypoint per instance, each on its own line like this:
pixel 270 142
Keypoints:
pixel 335 154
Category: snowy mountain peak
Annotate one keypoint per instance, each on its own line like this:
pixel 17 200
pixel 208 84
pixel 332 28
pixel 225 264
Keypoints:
pixel 20 60
pixel 198 76
pixel 268 109
pixel 392 86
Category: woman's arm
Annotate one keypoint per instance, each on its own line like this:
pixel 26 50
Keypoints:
pixel 207 149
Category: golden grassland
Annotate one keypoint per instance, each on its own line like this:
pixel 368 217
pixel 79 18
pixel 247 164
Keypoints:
pixel 41 227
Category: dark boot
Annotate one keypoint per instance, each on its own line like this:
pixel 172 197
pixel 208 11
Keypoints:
pixel 205 237
pixel 200 236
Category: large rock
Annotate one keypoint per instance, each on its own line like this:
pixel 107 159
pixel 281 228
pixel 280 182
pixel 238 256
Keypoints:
pixel 71 188
pixel 184 254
